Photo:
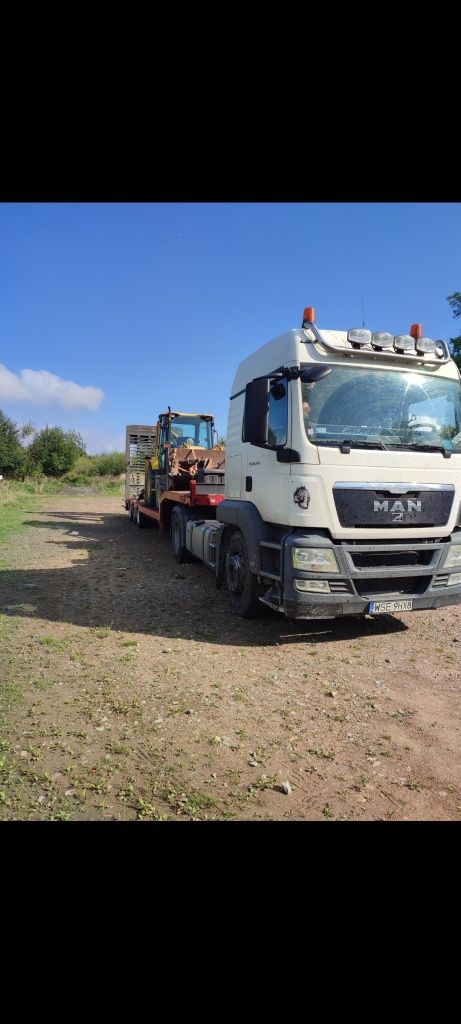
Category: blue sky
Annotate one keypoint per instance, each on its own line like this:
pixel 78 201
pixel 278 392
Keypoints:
pixel 156 304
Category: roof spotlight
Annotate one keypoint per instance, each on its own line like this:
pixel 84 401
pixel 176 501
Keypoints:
pixel 404 343
pixel 359 337
pixel 424 345
pixel 382 340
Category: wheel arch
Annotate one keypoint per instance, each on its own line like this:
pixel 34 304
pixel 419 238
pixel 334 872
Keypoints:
pixel 243 516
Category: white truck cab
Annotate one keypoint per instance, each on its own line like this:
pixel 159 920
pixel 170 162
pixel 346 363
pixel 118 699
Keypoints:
pixel 343 476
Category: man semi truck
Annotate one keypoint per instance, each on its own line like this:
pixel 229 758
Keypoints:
pixel 342 479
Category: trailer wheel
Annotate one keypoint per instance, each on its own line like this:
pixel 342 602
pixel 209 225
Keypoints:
pixel 178 535
pixel 140 519
pixel 241 583
pixel 131 512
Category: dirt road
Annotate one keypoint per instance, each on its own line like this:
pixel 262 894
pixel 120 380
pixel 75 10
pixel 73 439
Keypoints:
pixel 130 691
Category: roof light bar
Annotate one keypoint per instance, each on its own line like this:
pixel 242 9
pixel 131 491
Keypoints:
pixel 358 337
pixel 382 340
pixel 363 340
pixel 404 343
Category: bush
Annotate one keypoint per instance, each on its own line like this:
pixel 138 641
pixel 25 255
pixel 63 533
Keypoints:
pixel 89 466
pixel 54 451
pixel 110 464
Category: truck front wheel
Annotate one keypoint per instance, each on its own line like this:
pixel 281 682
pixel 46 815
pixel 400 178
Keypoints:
pixel 241 583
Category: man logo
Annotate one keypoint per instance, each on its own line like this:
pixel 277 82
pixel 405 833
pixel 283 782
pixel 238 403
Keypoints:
pixel 397 509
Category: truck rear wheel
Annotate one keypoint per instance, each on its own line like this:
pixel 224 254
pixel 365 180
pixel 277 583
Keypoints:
pixel 241 583
pixel 140 519
pixel 178 535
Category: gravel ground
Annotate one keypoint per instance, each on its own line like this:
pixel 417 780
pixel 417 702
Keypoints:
pixel 130 691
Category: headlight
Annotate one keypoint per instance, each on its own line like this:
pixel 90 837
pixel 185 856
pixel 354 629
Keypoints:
pixel 453 559
pixel 314 559
pixel 454 579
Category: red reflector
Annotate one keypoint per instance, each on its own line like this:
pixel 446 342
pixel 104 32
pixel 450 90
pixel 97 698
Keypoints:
pixel 416 330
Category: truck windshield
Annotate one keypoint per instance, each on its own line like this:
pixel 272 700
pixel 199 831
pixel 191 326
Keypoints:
pixel 383 409
pixel 191 431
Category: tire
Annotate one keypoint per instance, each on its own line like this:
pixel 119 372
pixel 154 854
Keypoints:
pixel 178 535
pixel 140 519
pixel 242 584
pixel 130 512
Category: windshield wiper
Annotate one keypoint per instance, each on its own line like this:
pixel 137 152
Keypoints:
pixel 446 452
pixel 339 443
pixel 346 445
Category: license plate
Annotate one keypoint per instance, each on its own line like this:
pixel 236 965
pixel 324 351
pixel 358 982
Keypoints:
pixel 380 607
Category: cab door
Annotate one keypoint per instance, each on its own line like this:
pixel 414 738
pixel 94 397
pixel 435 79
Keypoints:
pixel 266 479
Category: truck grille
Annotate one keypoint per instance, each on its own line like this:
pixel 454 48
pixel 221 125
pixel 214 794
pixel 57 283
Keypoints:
pixel 388 559
pixel 392 505
pixel 374 587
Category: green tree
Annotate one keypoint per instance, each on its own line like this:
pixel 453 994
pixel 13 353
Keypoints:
pixel 28 429
pixel 455 303
pixel 11 450
pixel 54 451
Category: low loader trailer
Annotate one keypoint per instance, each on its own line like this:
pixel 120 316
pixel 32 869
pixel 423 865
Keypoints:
pixel 174 474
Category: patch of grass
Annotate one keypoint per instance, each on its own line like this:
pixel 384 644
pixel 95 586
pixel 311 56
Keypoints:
pixel 328 755
pixel 190 803
pixel 14 506
pixel 116 748
pixel 52 641
pixel 148 810
pixel 265 782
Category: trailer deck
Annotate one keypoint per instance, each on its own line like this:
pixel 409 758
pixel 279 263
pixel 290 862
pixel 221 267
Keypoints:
pixel 196 497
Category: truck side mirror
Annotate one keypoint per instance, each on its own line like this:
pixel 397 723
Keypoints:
pixel 309 374
pixel 256 415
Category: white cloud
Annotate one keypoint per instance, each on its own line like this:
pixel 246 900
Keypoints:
pixel 40 387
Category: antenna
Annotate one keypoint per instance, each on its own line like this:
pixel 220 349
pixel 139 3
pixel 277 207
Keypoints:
pixel 363 314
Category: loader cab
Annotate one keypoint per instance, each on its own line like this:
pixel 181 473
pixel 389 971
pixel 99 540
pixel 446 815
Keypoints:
pixel 190 430
pixel 184 430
